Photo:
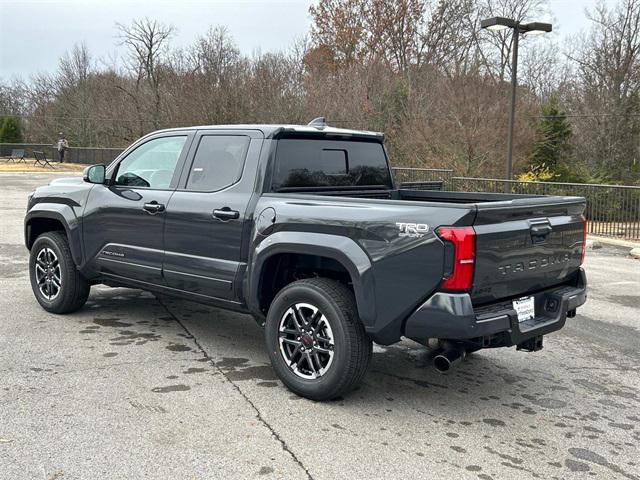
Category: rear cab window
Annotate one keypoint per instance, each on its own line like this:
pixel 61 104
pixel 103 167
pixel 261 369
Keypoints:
pixel 307 164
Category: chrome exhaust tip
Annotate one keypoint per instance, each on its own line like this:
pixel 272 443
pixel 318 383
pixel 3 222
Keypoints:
pixel 447 358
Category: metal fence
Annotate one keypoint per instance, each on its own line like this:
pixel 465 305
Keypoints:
pixel 612 210
pixel 84 155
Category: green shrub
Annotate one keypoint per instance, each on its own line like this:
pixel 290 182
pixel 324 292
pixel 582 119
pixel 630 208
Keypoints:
pixel 11 131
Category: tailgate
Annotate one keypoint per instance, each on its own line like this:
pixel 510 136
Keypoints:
pixel 525 245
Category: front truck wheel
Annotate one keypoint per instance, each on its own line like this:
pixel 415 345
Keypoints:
pixel 56 282
pixel 315 339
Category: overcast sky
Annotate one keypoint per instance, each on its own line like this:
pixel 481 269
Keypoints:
pixel 34 34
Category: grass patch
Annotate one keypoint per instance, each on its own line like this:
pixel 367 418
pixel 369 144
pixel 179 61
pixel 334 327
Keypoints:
pixel 28 167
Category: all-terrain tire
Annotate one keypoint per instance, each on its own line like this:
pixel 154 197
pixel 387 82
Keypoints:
pixel 74 288
pixel 352 348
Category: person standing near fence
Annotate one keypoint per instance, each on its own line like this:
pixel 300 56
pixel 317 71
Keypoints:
pixel 62 146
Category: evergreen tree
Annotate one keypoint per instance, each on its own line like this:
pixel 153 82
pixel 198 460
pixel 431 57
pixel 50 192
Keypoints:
pixel 552 148
pixel 10 130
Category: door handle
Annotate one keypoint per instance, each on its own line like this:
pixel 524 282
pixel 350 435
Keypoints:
pixel 153 207
pixel 226 214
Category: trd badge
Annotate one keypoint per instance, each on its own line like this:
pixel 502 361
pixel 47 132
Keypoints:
pixel 412 230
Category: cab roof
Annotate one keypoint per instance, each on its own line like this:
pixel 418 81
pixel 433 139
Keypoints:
pixel 285 130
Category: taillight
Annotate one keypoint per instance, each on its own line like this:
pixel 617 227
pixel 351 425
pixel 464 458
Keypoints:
pixel 463 240
pixel 584 238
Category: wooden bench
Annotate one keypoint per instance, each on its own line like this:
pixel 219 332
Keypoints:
pixel 41 159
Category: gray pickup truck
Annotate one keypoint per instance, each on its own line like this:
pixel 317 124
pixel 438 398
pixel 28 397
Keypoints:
pixel 303 228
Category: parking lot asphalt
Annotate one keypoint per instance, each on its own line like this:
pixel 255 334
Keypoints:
pixel 134 386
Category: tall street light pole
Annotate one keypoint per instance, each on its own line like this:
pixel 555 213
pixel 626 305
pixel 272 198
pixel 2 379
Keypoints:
pixel 534 28
pixel 512 110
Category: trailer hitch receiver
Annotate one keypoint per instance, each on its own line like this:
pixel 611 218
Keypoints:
pixel 533 344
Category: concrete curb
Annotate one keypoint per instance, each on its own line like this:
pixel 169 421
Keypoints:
pixel 613 241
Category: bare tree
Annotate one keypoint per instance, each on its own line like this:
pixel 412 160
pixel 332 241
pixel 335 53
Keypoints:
pixel 396 31
pixel 338 26
pixel 607 60
pixel 147 42
pixel 14 97
pixel 72 81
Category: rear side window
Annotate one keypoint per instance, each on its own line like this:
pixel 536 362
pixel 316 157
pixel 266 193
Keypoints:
pixel 218 162
pixel 307 163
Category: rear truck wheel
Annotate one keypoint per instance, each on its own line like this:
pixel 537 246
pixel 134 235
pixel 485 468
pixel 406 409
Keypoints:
pixel 56 282
pixel 315 339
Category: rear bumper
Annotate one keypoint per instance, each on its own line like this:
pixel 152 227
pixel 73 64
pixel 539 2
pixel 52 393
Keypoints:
pixel 453 316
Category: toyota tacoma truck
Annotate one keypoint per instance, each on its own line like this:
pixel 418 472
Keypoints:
pixel 304 228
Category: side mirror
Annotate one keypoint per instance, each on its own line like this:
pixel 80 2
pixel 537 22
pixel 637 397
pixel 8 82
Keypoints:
pixel 94 174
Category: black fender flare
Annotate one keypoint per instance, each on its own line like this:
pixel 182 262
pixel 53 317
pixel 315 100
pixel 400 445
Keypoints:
pixel 63 214
pixel 342 249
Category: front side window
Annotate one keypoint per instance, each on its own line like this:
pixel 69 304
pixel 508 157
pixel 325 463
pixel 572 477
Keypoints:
pixel 152 164
pixel 218 162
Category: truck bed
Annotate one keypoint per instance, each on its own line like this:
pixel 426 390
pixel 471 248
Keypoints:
pixel 524 243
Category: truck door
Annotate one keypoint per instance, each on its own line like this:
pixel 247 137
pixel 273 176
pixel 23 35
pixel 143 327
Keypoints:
pixel 123 222
pixel 207 217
